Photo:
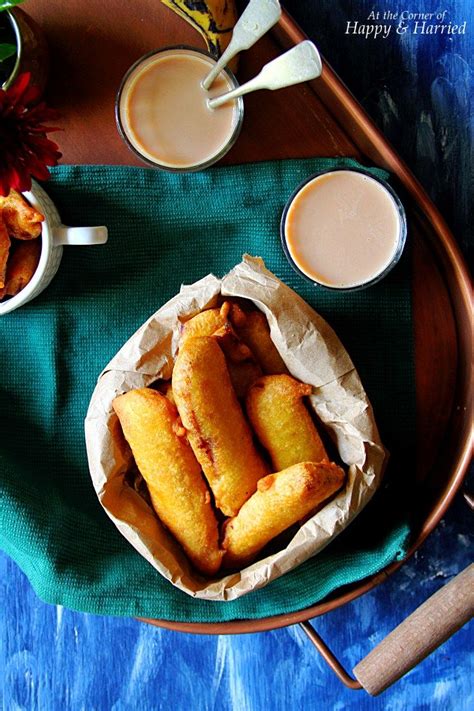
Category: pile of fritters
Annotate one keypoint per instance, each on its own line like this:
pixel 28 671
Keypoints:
pixel 20 246
pixel 233 413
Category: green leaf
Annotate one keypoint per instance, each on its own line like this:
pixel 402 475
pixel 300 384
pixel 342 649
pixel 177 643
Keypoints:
pixel 7 4
pixel 7 50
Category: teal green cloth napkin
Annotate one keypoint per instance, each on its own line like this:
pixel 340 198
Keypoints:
pixel 166 229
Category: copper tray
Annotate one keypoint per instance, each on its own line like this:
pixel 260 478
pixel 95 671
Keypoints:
pixel 89 56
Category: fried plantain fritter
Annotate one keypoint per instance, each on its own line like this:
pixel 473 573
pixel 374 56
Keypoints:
pixel 252 327
pixel 22 265
pixel 4 253
pixel 281 421
pixel 281 500
pixel 205 323
pixel 178 492
pixel 217 430
pixel 21 219
pixel 243 369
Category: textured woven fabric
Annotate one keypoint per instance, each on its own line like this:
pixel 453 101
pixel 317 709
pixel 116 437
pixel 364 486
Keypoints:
pixel 166 229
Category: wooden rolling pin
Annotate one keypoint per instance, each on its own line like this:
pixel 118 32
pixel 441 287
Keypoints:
pixel 437 619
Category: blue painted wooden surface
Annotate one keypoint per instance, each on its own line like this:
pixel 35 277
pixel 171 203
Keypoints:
pixel 419 90
pixel 53 659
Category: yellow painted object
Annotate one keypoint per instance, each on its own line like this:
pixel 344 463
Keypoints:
pixel 214 19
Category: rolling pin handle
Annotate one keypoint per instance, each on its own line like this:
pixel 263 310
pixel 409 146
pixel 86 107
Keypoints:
pixel 431 624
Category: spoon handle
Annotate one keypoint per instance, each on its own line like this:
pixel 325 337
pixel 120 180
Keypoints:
pixel 301 63
pixel 255 21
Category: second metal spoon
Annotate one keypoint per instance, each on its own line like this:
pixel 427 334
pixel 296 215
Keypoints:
pixel 301 63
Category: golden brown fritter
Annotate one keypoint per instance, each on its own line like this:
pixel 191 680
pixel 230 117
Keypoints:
pixel 254 331
pixel 205 323
pixel 243 369
pixel 22 265
pixel 281 421
pixel 167 389
pixel 22 220
pixel 280 501
pixel 4 252
pixel 216 427
pixel 241 364
pixel 179 495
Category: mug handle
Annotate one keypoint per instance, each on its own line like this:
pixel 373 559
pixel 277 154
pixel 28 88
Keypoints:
pixel 79 236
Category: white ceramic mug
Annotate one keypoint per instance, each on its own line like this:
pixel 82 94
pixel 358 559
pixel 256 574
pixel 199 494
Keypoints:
pixel 54 236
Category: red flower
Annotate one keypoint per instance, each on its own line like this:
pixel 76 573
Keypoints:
pixel 25 151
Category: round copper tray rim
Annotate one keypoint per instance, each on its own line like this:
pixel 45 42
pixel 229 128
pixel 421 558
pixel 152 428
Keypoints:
pixel 458 279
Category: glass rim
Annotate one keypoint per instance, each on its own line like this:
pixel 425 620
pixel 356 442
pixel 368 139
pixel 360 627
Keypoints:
pixel 19 49
pixel 162 166
pixel 402 233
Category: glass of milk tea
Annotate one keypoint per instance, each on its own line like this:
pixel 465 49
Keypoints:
pixel 343 229
pixel 163 115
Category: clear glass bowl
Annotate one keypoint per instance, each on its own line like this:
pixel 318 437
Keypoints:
pixel 211 159
pixel 401 235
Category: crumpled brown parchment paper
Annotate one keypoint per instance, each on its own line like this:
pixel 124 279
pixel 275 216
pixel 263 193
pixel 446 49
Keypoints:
pixel 312 353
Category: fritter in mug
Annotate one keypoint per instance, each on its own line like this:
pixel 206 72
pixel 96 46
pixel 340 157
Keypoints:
pixel 21 219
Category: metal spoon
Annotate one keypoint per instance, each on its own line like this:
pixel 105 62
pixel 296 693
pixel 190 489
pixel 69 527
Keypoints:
pixel 301 63
pixel 255 21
